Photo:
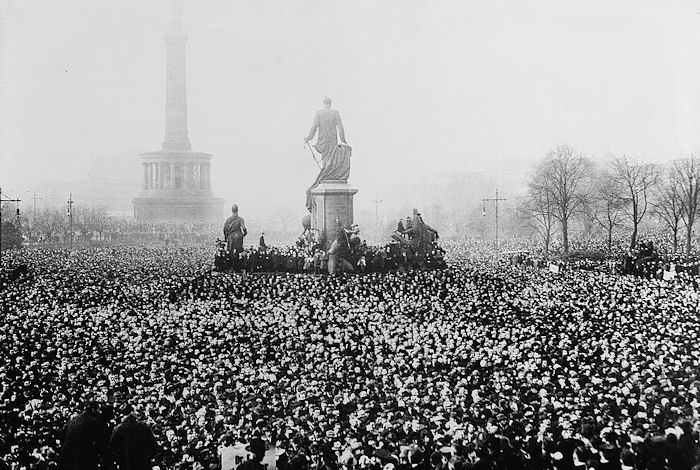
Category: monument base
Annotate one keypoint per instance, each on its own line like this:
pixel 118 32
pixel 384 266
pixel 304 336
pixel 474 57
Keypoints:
pixel 332 203
pixel 154 209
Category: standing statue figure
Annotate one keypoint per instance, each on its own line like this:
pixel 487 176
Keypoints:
pixel 234 231
pixel 335 157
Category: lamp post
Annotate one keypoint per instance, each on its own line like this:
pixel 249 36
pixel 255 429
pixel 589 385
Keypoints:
pixel 2 200
pixel 70 217
pixel 483 212
pixel 376 202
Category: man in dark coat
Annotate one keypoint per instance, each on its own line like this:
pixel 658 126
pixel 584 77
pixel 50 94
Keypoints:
pixel 132 445
pixel 84 440
pixel 257 448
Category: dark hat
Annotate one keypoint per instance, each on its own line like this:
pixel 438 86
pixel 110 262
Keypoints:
pixel 417 457
pixel 382 454
pixel 127 409
pixel 256 446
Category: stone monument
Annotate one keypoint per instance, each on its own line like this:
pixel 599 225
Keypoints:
pixel 330 197
pixel 176 181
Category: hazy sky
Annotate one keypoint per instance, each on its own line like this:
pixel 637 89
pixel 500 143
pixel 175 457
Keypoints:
pixel 422 86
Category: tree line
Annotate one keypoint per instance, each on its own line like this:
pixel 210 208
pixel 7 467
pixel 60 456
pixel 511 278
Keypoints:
pixel 52 225
pixel 566 186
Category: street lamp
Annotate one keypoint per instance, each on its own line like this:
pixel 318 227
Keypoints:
pixel 483 213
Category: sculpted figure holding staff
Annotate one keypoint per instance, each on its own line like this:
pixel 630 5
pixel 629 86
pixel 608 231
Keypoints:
pixel 335 157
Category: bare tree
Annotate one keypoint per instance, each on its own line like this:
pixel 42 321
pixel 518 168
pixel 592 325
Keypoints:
pixel 82 223
pixel 46 224
pixel 687 171
pixel 606 207
pixel 565 176
pixel 29 228
pixel 634 181
pixel 100 221
pixel 60 222
pixel 538 210
pixel 668 204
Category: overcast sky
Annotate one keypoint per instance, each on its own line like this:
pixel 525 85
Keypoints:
pixel 422 86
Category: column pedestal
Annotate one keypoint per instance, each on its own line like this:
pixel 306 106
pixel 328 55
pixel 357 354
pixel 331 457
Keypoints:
pixel 333 203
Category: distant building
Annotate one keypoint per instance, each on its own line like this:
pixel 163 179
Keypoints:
pixel 112 182
pixel 175 181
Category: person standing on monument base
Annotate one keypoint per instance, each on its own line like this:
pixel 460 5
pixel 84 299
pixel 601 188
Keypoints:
pixel 234 231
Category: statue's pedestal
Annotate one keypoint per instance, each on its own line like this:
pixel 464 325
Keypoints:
pixel 332 204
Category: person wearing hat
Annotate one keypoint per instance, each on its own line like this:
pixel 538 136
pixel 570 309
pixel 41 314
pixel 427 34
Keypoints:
pixel 84 440
pixel 257 448
pixel 132 445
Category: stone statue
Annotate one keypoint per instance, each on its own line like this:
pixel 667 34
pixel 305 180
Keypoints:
pixel 234 231
pixel 335 157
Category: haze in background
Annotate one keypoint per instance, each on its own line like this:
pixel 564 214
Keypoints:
pixel 428 91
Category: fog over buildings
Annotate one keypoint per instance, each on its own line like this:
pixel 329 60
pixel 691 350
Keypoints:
pixel 443 102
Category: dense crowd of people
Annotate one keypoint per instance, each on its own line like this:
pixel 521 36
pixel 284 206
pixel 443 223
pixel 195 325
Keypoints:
pixel 413 246
pixel 590 253
pixel 314 259
pixel 480 365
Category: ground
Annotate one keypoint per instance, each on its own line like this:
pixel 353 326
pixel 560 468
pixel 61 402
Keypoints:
pixel 208 359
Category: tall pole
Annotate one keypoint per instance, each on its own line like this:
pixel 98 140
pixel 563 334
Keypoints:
pixel 376 202
pixel 70 217
pixel 495 201
pixel 16 201
pixel 35 198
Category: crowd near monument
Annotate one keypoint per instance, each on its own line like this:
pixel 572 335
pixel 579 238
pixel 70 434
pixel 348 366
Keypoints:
pixel 331 240
pixel 329 353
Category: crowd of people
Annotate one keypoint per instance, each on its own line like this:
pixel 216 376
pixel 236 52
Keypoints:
pixel 174 233
pixel 314 259
pixel 590 254
pixel 478 365
pixel 346 252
